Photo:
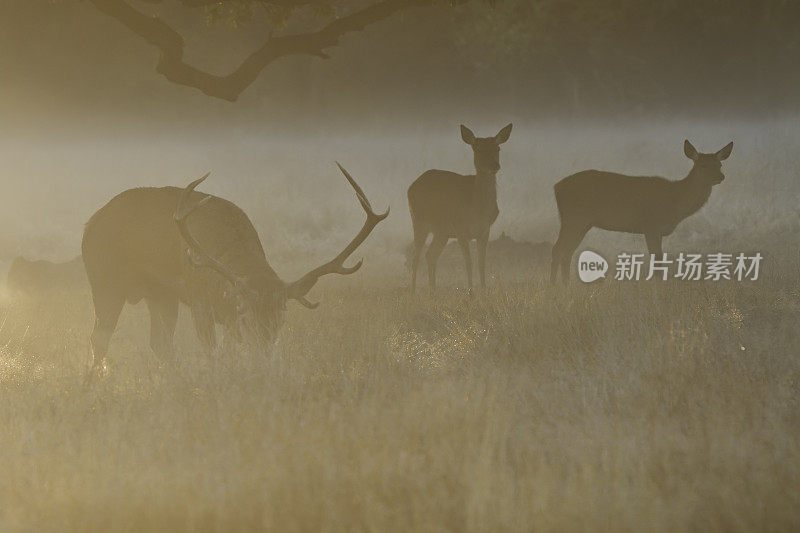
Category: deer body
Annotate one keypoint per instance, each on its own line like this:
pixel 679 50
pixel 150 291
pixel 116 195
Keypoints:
pixel 144 245
pixel 133 250
pixel 472 202
pixel 647 205
pixel 455 206
pixel 651 205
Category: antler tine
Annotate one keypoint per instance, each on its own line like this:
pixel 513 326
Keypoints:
pixel 205 260
pixel 300 288
pixel 183 211
pixel 362 198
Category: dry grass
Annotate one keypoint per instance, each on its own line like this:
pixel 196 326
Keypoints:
pixel 618 406
pixel 614 406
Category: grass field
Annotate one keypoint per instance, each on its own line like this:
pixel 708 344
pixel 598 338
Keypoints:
pixel 611 406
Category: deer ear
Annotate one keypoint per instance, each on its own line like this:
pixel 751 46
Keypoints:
pixel 725 153
pixel 690 151
pixel 467 135
pixel 504 134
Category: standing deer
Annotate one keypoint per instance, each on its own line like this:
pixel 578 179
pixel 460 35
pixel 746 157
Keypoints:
pixel 650 205
pixel 454 206
pixel 143 245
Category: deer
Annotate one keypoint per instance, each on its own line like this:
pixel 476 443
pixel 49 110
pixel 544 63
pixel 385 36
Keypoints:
pixel 648 205
pixel 455 206
pixel 38 277
pixel 169 246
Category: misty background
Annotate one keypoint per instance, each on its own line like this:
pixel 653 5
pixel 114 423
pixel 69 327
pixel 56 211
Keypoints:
pixel 661 406
pixel 614 84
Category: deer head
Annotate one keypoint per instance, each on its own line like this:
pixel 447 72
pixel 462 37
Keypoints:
pixel 486 150
pixel 259 299
pixel 707 167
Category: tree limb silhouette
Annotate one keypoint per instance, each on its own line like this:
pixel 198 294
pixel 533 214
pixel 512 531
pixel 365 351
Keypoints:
pixel 229 87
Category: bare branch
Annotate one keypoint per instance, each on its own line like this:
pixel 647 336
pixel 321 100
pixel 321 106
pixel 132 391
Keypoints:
pixel 171 44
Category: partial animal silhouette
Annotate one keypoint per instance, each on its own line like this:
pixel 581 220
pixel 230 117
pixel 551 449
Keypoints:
pixel 512 257
pixel 454 206
pixel 169 245
pixel 41 277
pixel 648 205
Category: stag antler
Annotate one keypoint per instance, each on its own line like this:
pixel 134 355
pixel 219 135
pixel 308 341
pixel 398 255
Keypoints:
pixel 300 288
pixel 202 259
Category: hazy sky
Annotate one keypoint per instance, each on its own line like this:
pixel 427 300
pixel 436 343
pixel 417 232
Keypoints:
pixel 65 65
pixel 67 61
pixel 84 115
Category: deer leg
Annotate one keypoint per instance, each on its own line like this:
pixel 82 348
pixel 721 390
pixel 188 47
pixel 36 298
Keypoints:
pixel 463 243
pixel 163 317
pixel 653 241
pixel 203 319
pixel 555 259
pixel 432 256
pixel 107 310
pixel 569 239
pixel 155 326
pixel 170 320
pixel 419 244
pixel 558 251
pixel 483 241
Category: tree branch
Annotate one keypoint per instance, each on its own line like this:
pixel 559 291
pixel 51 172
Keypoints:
pixel 171 44
pixel 204 3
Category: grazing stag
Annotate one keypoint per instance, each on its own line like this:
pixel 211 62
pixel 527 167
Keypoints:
pixel 651 206
pixel 454 206
pixel 143 244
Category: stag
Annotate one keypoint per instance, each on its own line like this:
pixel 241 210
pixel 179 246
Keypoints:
pixel 169 245
pixel 651 206
pixel 453 206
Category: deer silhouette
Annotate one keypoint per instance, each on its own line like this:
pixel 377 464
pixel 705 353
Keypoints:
pixel 454 206
pixel 648 205
pixel 143 245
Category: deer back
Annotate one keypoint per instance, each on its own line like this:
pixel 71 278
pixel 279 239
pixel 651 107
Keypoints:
pixel 134 237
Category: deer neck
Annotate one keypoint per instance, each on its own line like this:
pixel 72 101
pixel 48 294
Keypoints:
pixel 484 199
pixel 486 186
pixel 694 193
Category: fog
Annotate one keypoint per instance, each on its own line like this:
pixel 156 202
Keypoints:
pixel 83 115
pixel 304 210
pixel 522 406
